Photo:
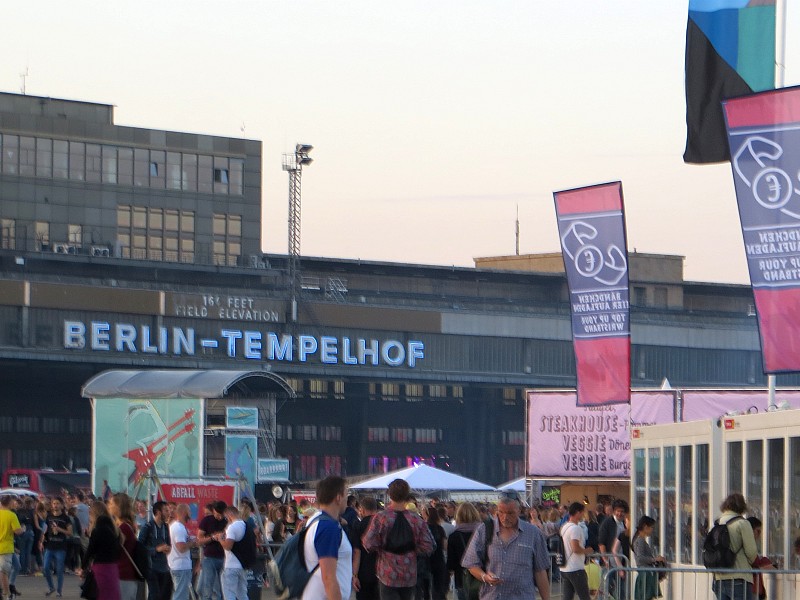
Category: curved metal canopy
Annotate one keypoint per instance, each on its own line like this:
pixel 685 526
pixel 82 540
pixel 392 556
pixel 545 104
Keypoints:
pixel 181 383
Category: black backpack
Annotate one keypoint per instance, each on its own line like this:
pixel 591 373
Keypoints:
pixel 245 550
pixel 400 539
pixel 717 551
pixel 555 546
pixel 287 572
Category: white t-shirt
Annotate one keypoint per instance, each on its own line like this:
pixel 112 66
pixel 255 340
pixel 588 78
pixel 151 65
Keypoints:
pixel 315 590
pixel 179 561
pixel 234 531
pixel 575 562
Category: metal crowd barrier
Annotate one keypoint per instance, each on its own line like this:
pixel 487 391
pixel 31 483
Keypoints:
pixel 685 583
pixel 555 576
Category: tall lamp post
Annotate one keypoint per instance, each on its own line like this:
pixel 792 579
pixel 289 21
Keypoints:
pixel 293 164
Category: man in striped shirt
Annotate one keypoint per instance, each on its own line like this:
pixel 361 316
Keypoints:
pixel 517 557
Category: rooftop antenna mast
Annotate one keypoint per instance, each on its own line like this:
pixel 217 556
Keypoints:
pixel 293 164
pixel 24 77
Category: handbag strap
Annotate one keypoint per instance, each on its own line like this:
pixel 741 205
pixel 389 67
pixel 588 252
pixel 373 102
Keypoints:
pixel 122 545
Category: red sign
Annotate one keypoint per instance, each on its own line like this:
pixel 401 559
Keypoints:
pixel 764 140
pixel 310 496
pixel 197 495
pixel 730 424
pixel 591 226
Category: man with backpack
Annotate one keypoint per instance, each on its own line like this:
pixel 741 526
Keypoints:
pixel 327 551
pixel 509 556
pixel 741 551
pixel 398 536
pixel 239 543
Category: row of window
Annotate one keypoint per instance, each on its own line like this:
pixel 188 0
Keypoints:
pixel 420 435
pixel 512 469
pixel 318 388
pixel 8 234
pixel 309 467
pixel 413 391
pixel 321 389
pixel 10 424
pixel 37 458
pixel 147 233
pixel 327 433
pixel 138 167
pixel 513 438
pixel 164 234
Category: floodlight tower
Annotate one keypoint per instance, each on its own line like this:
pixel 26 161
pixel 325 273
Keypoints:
pixel 293 163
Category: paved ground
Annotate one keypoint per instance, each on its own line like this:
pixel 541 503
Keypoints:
pixel 35 587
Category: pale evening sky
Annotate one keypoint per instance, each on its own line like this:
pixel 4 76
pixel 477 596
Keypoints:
pixel 431 120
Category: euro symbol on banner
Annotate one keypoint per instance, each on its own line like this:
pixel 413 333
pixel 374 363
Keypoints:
pixel 588 259
pixel 771 186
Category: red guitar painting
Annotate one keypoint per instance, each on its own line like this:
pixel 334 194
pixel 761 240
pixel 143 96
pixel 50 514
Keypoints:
pixel 146 455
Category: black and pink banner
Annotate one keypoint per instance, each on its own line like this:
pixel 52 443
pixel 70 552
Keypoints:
pixel 591 227
pixel 764 138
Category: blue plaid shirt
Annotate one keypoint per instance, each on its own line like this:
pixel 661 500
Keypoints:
pixel 514 561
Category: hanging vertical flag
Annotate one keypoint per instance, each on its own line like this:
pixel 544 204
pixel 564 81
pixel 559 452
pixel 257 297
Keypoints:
pixel 591 226
pixel 764 137
pixel 730 51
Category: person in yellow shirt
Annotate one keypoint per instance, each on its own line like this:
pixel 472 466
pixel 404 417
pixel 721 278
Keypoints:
pixel 9 527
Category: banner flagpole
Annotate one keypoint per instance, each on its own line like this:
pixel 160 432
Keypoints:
pixel 780 78
pixel 780 43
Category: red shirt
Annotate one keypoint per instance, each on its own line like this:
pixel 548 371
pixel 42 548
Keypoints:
pixel 126 570
pixel 397 570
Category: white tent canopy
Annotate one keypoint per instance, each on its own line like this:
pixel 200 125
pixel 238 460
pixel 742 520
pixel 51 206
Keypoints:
pixel 12 491
pixel 515 485
pixel 423 477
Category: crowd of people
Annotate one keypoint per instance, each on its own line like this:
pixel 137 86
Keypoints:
pixel 78 533
pixel 490 550
pixel 82 534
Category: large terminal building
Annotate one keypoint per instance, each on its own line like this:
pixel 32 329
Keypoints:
pixel 130 248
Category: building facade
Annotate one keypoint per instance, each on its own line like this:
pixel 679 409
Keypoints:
pixel 391 363
pixel 76 183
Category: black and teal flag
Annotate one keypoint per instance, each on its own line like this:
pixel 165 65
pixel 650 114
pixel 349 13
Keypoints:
pixel 730 52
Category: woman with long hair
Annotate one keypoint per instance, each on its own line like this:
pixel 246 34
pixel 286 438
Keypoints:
pixel 439 576
pixel 103 552
pixel 290 521
pixel 535 518
pixel 39 526
pixel 550 527
pixel 276 518
pixel 120 508
pixel 467 520
pixel 646 586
